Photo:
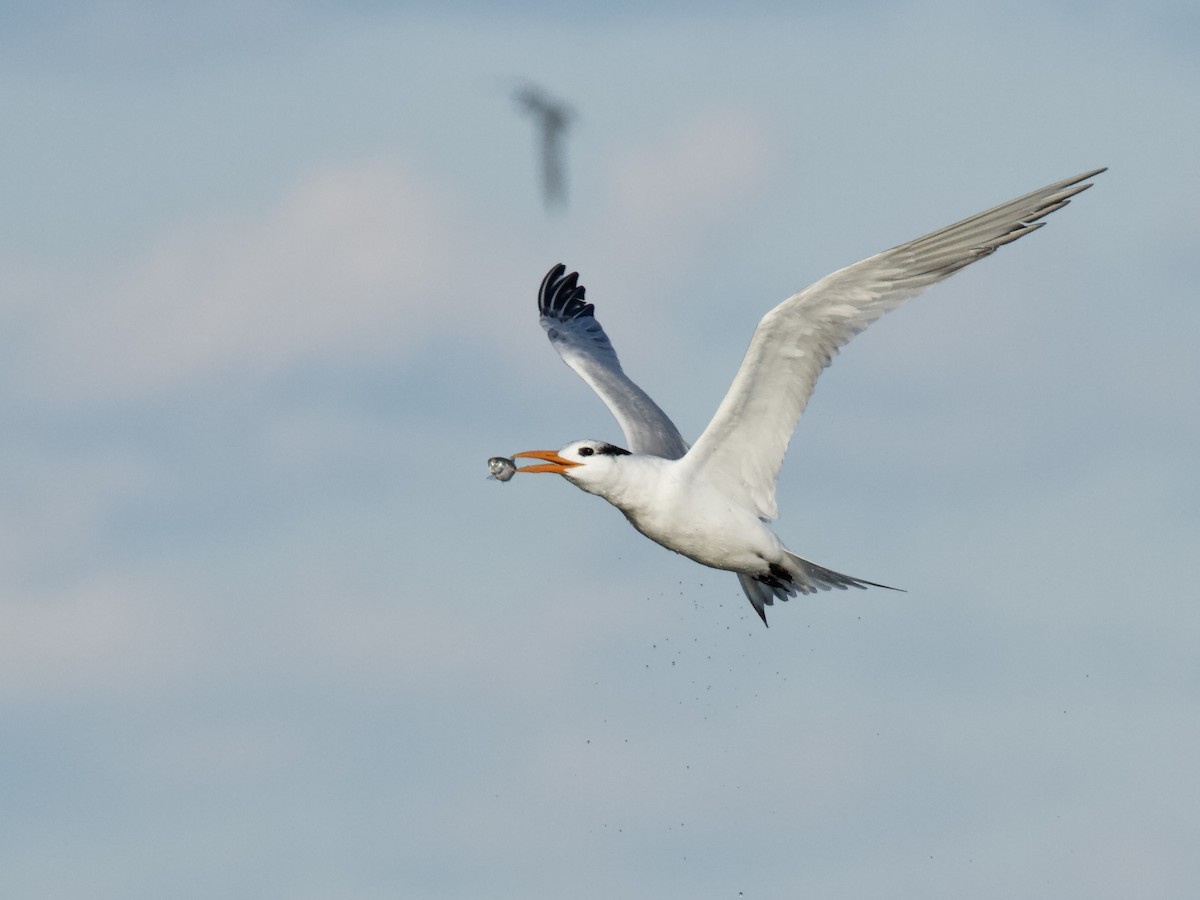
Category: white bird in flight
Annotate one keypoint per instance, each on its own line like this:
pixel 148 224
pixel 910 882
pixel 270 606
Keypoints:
pixel 710 501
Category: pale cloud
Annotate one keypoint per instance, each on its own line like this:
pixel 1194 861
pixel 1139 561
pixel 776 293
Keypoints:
pixel 105 637
pixel 60 503
pixel 697 171
pixel 343 265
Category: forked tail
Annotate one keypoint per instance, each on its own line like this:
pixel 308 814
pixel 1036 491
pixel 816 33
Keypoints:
pixel 797 576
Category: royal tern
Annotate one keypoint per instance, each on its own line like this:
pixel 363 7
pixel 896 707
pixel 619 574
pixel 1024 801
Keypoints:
pixel 709 502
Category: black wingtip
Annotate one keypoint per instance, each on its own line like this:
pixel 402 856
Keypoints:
pixel 562 296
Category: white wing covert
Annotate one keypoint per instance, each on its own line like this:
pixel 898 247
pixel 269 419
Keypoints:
pixel 743 446
pixel 571 325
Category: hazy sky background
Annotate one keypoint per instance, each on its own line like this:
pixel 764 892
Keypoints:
pixel 267 287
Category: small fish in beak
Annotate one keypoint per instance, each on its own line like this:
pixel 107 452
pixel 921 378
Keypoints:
pixel 502 468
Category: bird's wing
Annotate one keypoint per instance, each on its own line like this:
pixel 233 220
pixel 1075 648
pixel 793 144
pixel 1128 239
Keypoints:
pixel 583 345
pixel 743 446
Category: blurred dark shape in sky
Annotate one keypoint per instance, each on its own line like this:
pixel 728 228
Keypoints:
pixel 553 117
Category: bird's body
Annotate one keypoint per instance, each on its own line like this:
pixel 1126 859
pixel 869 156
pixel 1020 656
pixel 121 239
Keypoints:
pixel 710 502
pixel 687 515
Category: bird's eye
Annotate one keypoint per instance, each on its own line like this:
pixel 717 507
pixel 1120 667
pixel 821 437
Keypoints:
pixel 586 451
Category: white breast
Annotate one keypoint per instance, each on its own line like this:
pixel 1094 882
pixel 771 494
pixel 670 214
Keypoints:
pixel 692 517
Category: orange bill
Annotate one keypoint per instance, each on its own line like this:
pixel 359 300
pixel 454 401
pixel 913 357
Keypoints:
pixel 554 463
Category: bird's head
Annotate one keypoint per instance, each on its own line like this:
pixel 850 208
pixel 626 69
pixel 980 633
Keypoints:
pixel 587 464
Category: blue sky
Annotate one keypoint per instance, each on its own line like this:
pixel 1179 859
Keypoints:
pixel 267 278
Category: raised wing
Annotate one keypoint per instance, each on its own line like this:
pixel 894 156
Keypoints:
pixel 743 446
pixel 571 325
